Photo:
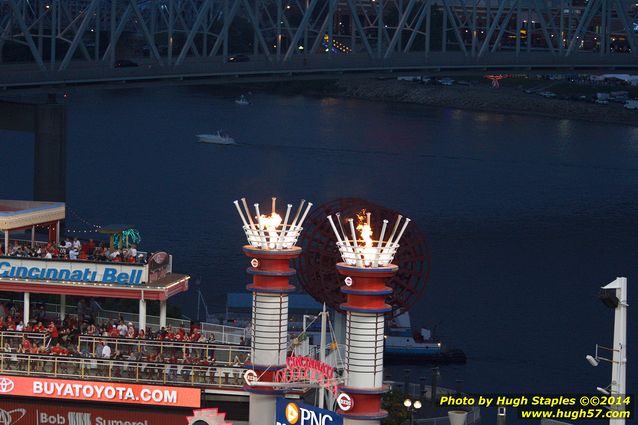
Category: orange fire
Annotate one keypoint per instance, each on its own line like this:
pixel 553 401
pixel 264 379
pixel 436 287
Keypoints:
pixel 270 223
pixel 365 229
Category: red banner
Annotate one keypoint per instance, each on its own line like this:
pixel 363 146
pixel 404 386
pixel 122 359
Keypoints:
pixel 61 389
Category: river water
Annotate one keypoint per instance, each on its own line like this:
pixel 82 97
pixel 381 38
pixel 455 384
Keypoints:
pixel 526 216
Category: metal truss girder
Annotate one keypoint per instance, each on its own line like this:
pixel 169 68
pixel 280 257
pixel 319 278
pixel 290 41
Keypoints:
pixel 73 27
pixel 495 23
pixel 548 39
pixel 399 30
pixel 503 26
pixel 383 29
pixel 425 11
pixel 193 32
pixel 357 23
pixel 146 32
pixel 115 35
pixel 228 19
pixel 27 35
pixel 302 27
pixel 451 16
pixel 77 40
pixel 632 38
pixel 582 24
pixel 255 22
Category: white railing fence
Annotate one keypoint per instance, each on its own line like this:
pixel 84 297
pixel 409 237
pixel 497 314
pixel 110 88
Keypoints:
pixel 121 370
pixel 222 334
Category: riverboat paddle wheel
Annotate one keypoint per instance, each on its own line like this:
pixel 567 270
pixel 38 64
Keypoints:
pixel 316 265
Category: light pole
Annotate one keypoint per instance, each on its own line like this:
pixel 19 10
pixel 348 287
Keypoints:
pixel 614 296
pixel 412 407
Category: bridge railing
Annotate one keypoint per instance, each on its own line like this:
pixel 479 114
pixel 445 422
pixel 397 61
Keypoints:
pixel 213 376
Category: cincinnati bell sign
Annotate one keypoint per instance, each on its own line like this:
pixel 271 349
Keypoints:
pixel 73 271
pixel 60 389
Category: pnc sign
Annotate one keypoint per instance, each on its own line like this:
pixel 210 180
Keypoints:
pixel 293 413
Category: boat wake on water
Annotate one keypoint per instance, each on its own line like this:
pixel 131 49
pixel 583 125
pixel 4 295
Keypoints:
pixel 219 138
pixel 292 148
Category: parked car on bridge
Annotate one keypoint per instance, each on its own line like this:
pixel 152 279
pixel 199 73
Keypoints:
pixel 125 63
pixel 238 58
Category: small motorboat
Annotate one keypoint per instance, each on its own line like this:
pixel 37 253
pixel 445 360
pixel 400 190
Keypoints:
pixel 219 138
pixel 402 345
pixel 242 100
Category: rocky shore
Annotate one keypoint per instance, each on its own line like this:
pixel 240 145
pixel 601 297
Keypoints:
pixel 479 97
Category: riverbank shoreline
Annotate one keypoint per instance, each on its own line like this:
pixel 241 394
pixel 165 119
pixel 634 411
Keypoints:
pixel 477 98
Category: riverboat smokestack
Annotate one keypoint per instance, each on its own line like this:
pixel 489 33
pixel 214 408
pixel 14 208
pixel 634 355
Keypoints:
pixel 271 246
pixel 367 264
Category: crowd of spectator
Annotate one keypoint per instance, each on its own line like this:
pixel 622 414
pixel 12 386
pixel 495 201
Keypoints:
pixel 115 340
pixel 75 250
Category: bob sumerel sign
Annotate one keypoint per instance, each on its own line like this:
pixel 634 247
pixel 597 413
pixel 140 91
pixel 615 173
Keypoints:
pixel 72 271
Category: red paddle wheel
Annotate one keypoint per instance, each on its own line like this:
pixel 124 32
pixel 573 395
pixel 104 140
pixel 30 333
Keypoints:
pixel 316 266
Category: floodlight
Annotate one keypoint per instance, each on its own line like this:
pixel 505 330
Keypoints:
pixel 407 402
pixel 609 298
pixel 602 390
pixel 592 361
pixel 417 404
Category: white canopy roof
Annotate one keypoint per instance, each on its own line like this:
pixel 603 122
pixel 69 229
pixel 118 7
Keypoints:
pixel 21 214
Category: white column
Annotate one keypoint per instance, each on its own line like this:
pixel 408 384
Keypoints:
pixel 142 318
pixel 340 328
pixel 263 407
pixel 57 232
pixel 26 313
pixel 63 307
pixel 162 314
pixel 6 242
pixel 270 325
pixel 619 357
pixel 32 236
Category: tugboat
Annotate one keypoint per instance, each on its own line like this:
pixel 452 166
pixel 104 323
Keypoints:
pixel 402 344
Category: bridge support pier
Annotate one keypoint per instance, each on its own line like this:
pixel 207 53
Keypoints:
pixel 47 121
pixel 49 161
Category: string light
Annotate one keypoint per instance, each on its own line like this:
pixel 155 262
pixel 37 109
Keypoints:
pixel 77 216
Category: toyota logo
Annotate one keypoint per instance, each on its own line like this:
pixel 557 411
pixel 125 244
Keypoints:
pixel 6 385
